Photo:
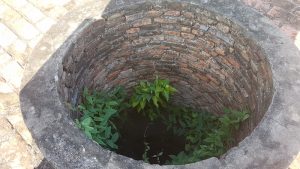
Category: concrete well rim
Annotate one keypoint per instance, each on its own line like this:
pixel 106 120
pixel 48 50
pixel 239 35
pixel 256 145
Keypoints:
pixel 279 117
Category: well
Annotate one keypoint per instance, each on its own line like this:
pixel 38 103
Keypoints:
pixel 216 55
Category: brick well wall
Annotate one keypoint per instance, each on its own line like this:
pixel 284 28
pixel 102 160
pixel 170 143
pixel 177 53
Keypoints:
pixel 210 60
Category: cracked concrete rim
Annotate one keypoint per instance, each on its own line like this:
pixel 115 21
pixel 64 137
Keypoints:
pixel 273 144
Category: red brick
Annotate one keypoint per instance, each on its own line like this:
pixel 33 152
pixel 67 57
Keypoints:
pixel 165 20
pixel 154 13
pixel 186 70
pixel 183 65
pixel 213 80
pixel 213 53
pixel 223 28
pixel 113 75
pixel 133 30
pixel 197 32
pixel 186 29
pixel 289 31
pixel 220 51
pixel 263 6
pixel 172 13
pixel 210 44
pixel 245 55
pixel 188 15
pixel 164 47
pixel 202 77
pixel 275 12
pixel 233 62
pixel 187 35
pixel 200 65
pixel 155 52
pixel 174 33
pixel 142 22
pixel 250 2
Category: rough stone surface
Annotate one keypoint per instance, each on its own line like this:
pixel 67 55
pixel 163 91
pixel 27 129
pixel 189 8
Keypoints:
pixel 274 142
pixel 18 149
pixel 53 10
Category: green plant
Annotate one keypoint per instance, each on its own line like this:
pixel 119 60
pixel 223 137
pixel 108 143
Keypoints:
pixel 181 158
pixel 99 108
pixel 188 122
pixel 157 156
pixel 147 149
pixel 145 154
pixel 149 97
pixel 207 135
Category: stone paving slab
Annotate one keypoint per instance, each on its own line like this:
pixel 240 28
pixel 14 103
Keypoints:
pixel 284 13
pixel 24 22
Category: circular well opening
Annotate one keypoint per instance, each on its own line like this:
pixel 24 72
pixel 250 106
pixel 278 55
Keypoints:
pixel 206 58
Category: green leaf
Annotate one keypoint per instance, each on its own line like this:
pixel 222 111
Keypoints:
pixel 112 103
pixel 166 95
pixel 81 107
pixel 112 145
pixel 245 117
pixel 160 154
pixel 110 111
pixel 134 103
pixel 154 99
pixel 97 119
pixel 115 137
pixel 142 104
pixel 108 114
pixel 107 132
pixel 87 121
pixel 88 134
pixel 89 99
pixel 77 123
pixel 99 141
